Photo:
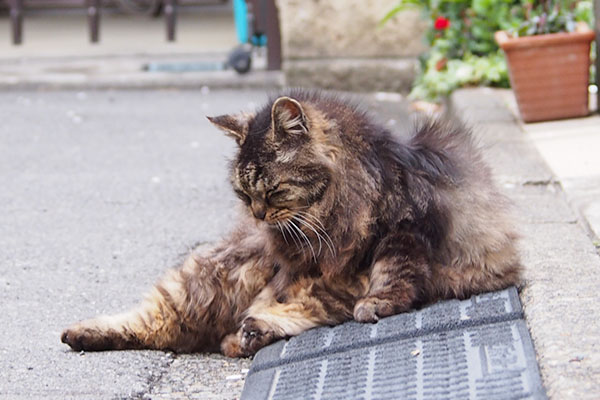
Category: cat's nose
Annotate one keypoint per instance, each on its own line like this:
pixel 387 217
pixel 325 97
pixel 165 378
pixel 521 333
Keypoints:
pixel 260 214
pixel 259 210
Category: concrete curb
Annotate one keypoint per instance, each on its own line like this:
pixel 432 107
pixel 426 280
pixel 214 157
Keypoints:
pixel 189 80
pixel 561 280
pixel 96 73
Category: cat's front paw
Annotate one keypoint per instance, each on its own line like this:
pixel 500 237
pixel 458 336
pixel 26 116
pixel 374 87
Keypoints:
pixel 255 334
pixel 83 336
pixel 370 309
pixel 252 336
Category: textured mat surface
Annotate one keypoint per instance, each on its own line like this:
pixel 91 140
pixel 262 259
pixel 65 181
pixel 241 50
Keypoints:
pixel 477 348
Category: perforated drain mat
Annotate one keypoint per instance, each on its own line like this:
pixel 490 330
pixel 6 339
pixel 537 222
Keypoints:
pixel 473 349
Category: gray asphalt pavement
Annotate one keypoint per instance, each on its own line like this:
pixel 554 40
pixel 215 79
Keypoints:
pixel 100 193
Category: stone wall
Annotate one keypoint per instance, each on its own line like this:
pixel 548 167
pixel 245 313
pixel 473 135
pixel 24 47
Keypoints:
pixel 338 44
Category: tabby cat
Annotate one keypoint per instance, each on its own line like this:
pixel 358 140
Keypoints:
pixel 342 220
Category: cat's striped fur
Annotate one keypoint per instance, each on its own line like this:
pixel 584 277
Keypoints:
pixel 343 220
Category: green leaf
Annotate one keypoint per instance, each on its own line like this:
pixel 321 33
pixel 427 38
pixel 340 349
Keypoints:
pixel 403 5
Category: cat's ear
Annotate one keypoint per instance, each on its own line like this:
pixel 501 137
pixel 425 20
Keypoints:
pixel 235 126
pixel 288 116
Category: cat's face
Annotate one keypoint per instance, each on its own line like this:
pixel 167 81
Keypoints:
pixel 282 171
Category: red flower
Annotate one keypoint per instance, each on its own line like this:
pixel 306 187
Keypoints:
pixel 441 23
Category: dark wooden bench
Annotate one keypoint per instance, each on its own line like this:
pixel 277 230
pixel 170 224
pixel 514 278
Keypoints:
pixel 16 19
pixel 16 10
pixel 266 21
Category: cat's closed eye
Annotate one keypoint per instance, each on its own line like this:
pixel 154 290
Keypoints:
pixel 277 195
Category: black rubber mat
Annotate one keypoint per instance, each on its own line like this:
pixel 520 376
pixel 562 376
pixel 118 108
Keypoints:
pixel 473 349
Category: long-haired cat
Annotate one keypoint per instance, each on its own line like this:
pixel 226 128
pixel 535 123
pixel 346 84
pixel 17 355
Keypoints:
pixel 342 220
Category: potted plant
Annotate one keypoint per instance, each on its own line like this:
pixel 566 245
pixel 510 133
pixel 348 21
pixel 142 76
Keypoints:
pixel 548 58
pixel 461 46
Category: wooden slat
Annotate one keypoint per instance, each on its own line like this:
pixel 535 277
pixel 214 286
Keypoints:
pixel 16 20
pixel 171 18
pixel 273 37
pixel 93 12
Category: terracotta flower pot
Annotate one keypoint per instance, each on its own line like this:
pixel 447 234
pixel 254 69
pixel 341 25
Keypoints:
pixel 549 73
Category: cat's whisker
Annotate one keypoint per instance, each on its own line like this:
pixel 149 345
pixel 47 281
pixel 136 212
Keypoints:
pixel 326 238
pixel 284 226
pixel 282 233
pixel 309 226
pixel 305 238
pixel 316 223
pixel 312 218
pixel 293 234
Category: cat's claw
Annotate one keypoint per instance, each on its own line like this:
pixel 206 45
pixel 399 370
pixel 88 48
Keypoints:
pixel 248 335
pixel 252 336
pixel 255 335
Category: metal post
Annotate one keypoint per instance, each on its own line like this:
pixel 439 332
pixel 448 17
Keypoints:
pixel 16 20
pixel 597 28
pixel 274 37
pixel 171 17
pixel 93 12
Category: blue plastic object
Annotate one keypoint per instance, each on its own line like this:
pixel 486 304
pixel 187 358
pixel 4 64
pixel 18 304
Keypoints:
pixel 259 40
pixel 240 17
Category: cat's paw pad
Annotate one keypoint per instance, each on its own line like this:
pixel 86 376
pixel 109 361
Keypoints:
pixel 371 309
pixel 255 334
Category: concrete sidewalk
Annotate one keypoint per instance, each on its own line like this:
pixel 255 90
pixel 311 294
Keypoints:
pixel 562 285
pixel 572 150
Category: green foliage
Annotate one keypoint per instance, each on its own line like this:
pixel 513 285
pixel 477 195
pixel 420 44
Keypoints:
pixel 550 16
pixel 433 83
pixel 460 34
